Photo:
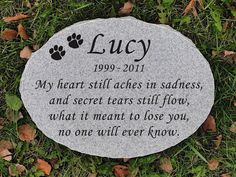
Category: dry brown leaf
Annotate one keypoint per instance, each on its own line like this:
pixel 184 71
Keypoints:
pixel 22 32
pixel 201 3
pixel 2 120
pixel 4 144
pixel 92 175
pixel 235 103
pixel 5 154
pixel 213 164
pixel 225 175
pixel 229 56
pixel 18 16
pixel 192 6
pixel 19 169
pixel 228 53
pixel 120 170
pixel 8 34
pixel 26 132
pixel 195 14
pixel 189 7
pixel 43 166
pixel 233 127
pixel 26 52
pixel 166 165
pixel 209 125
pixel 217 141
pixel 126 9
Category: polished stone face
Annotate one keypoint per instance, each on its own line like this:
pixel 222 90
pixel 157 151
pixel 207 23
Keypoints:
pixel 118 87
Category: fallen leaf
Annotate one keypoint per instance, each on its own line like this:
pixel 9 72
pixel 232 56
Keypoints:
pixel 209 125
pixel 26 132
pixel 233 127
pixel 26 52
pixel 166 165
pixel 228 53
pixel 92 175
pixel 189 7
pixel 4 144
pixel 19 169
pixel 5 154
pixel 192 6
pixel 120 170
pixel 229 56
pixel 217 141
pixel 126 9
pixel 200 3
pixel 8 34
pixel 43 166
pixel 22 32
pixel 235 103
pixel 213 164
pixel 18 16
pixel 195 12
pixel 225 175
pixel 2 120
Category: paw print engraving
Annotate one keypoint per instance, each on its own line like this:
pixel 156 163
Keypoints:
pixel 75 41
pixel 57 52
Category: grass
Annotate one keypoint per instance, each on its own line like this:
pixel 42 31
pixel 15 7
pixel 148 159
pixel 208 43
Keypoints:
pixel 190 156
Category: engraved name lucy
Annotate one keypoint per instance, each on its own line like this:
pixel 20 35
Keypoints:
pixel 120 46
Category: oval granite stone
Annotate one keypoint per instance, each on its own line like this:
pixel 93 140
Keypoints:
pixel 118 87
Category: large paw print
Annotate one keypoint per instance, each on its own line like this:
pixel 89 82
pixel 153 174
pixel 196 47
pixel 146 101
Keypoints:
pixel 75 41
pixel 57 52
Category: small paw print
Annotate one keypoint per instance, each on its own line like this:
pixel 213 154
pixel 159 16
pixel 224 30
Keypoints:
pixel 57 52
pixel 75 41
